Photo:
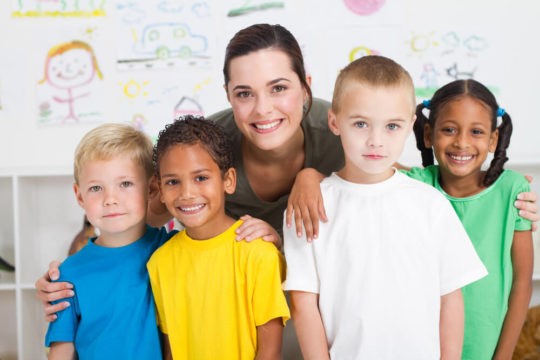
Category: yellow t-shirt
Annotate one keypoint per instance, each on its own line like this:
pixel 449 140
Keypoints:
pixel 211 295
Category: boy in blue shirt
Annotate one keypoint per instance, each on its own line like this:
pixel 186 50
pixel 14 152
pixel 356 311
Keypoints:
pixel 112 314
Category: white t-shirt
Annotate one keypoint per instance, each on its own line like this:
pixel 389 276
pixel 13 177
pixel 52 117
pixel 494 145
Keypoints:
pixel 380 265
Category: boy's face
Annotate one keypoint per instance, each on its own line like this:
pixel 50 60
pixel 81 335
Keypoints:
pixel 193 189
pixel 373 123
pixel 114 196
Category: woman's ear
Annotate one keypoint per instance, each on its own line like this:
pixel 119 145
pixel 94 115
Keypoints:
pixel 428 136
pixel 493 140
pixel 229 181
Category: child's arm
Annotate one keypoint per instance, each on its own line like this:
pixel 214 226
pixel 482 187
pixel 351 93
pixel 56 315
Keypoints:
pixel 308 325
pixel 62 351
pixel 166 347
pixel 269 340
pixel 451 325
pixel 253 228
pixel 306 203
pixel 520 295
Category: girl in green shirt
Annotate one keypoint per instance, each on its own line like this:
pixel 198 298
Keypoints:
pixel 464 123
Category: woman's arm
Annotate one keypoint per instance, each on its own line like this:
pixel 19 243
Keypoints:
pixel 269 340
pixel 520 295
pixel 451 325
pixel 48 291
pixel 306 203
pixel 62 351
pixel 308 325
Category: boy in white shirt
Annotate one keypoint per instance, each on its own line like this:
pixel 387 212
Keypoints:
pixel 383 279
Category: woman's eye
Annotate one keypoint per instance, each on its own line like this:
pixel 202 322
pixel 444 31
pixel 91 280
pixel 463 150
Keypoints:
pixel 279 88
pixel 243 94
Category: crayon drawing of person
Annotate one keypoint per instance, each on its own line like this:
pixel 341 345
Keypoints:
pixel 70 67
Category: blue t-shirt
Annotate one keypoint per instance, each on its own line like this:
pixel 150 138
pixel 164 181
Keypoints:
pixel 112 314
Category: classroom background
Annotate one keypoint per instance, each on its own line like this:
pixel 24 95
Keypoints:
pixel 155 60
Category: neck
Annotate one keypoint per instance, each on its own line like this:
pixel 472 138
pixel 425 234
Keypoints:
pixel 211 228
pixel 115 240
pixel 285 152
pixel 461 187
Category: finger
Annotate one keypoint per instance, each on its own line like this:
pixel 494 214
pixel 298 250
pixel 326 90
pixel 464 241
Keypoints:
pixel 322 212
pixel 529 178
pixel 50 318
pixel 527 196
pixel 53 309
pixel 526 206
pixel 288 215
pixel 54 273
pixel 56 295
pixel 308 224
pixel 531 216
pixel 298 221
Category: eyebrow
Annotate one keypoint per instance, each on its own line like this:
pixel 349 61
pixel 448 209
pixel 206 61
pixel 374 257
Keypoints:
pixel 271 82
pixel 198 171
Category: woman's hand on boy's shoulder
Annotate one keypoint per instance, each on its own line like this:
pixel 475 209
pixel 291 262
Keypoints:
pixel 253 228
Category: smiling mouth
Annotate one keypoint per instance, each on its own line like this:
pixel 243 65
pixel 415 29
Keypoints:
pixel 191 209
pixel 460 157
pixel 267 126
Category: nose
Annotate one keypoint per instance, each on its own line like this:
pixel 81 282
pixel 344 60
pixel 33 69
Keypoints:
pixel 461 140
pixel 186 190
pixel 110 198
pixel 375 138
pixel 264 104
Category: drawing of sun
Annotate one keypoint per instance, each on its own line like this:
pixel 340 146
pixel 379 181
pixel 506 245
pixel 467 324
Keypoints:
pixel 133 89
pixel 364 7
pixel 419 44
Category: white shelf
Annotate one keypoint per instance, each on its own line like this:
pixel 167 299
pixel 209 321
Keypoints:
pixel 38 219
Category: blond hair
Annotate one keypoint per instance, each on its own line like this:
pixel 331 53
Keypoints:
pixel 372 70
pixel 111 140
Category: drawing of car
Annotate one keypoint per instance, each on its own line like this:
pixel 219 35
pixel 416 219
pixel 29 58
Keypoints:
pixel 169 40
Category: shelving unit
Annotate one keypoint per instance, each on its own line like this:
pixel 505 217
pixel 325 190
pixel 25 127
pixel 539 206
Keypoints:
pixel 38 219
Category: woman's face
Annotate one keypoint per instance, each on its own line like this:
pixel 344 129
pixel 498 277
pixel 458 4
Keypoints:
pixel 266 96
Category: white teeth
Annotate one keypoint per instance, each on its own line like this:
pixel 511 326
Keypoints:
pixel 461 158
pixel 192 208
pixel 267 126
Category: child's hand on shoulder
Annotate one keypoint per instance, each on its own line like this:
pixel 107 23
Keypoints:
pixel 254 228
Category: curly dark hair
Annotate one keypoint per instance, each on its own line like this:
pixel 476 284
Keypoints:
pixel 191 130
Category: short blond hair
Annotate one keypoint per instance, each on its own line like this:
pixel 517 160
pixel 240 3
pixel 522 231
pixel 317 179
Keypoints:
pixel 372 70
pixel 111 140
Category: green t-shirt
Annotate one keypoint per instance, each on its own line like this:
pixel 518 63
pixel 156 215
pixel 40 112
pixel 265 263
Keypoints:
pixel 323 153
pixel 490 220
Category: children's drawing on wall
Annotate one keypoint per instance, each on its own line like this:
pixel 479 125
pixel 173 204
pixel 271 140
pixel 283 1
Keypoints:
pixel 69 91
pixel 164 34
pixel 358 12
pixel 436 58
pixel 250 7
pixel 151 100
pixel 58 8
pixel 364 7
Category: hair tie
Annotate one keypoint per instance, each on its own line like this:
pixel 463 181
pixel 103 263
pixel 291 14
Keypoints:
pixel 500 112
pixel 427 103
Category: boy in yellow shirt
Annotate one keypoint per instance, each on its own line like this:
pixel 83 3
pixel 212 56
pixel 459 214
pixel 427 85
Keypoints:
pixel 216 298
